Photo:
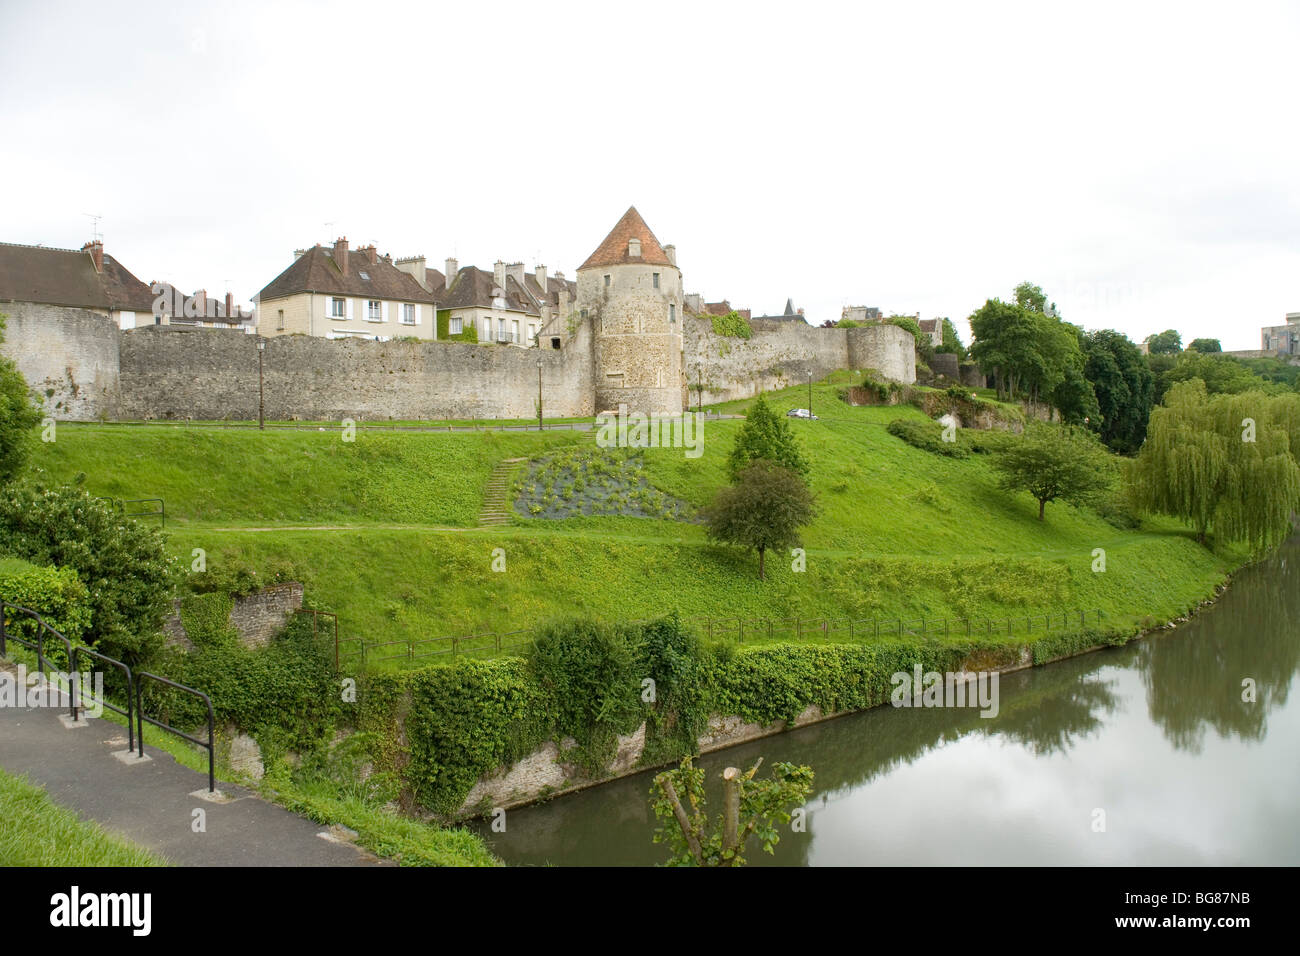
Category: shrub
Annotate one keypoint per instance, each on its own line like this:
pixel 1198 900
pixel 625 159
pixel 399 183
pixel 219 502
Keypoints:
pixel 733 325
pixel 879 386
pixel 18 417
pixel 55 594
pixel 123 564
pixel 927 436
pixel 284 694
pixel 589 671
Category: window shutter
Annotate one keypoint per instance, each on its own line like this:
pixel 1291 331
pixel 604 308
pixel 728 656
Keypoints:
pixel 347 308
pixel 417 313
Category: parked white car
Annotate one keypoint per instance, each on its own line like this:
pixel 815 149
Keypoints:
pixel 800 413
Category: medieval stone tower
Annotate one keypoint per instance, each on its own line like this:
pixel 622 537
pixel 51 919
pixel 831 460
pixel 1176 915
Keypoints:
pixel 630 289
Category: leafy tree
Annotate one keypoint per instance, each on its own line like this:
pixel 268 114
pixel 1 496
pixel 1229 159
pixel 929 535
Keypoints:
pixel 18 417
pixel 1030 296
pixel 1004 335
pixel 1222 374
pixel 123 563
pixel 1055 462
pixel 1167 342
pixel 750 808
pixel 1124 386
pixel 951 340
pixel 1029 351
pixel 1075 399
pixel 765 508
pixel 1205 345
pixel 765 435
pixel 1224 463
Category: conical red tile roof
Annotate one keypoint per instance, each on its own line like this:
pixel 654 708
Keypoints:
pixel 613 251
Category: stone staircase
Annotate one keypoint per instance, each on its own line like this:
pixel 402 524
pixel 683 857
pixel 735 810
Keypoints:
pixel 496 502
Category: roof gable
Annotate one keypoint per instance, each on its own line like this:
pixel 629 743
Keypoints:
pixel 613 250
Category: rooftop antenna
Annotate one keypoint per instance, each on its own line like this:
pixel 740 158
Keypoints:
pixel 95 234
pixel 329 230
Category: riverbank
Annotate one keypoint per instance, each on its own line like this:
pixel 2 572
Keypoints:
pixel 1159 735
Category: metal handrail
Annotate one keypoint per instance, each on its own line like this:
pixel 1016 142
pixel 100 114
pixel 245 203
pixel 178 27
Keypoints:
pixel 129 713
pixel 39 645
pixel 209 744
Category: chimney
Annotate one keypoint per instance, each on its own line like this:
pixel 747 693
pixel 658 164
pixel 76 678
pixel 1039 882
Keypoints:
pixel 96 249
pixel 516 271
pixel 539 273
pixel 201 302
pixel 341 254
pixel 230 304
pixel 499 274
pixel 371 253
pixel 414 266
pixel 450 268
pixel 671 253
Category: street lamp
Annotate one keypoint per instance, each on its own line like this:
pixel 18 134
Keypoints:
pixel 261 390
pixel 539 394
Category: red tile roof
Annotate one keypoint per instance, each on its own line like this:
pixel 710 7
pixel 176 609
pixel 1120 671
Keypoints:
pixel 614 250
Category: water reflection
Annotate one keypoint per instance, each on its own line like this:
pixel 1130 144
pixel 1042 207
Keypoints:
pixel 1253 632
pixel 1121 730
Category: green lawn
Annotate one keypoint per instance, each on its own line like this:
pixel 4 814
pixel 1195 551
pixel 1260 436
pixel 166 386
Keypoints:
pixel 34 831
pixel 901 532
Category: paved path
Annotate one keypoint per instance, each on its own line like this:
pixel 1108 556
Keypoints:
pixel 152 804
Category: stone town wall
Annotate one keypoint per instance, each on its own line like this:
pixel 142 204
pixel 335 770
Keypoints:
pixel 781 354
pixel 212 374
pixel 68 356
pixel 84 368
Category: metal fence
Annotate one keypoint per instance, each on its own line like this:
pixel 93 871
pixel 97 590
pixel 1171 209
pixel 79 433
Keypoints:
pixel 121 503
pixel 360 652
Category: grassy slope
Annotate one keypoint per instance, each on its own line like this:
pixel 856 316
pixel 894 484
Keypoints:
pixel 34 831
pixel 879 547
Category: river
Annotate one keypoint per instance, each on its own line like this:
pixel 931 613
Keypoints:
pixel 1153 741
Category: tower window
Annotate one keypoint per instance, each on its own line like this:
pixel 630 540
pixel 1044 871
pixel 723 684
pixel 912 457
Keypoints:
pixel 606 282
pixel 672 313
pixel 656 278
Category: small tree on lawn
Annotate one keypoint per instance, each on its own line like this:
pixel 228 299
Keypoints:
pixel 1053 462
pixel 764 509
pixel 766 435
pixel 749 807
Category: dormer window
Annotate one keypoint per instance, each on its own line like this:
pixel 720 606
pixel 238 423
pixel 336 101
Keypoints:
pixel 634 248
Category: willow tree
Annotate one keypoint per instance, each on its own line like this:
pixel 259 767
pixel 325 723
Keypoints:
pixel 1225 463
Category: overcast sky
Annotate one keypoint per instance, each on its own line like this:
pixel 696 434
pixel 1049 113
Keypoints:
pixel 1141 163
